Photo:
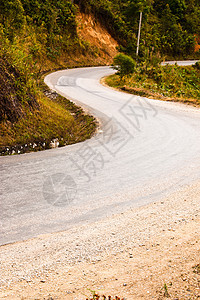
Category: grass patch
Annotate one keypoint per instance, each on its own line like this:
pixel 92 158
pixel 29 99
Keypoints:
pixel 56 119
pixel 172 83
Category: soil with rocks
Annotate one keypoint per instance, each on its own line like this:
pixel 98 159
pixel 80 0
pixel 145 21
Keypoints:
pixel 149 252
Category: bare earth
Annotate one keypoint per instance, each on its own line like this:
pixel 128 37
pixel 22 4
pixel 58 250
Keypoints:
pixel 150 252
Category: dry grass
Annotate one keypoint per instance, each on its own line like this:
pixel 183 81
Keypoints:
pixel 169 83
pixel 56 118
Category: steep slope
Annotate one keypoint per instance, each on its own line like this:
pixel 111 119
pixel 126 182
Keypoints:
pixel 31 117
pixel 15 96
pixel 98 38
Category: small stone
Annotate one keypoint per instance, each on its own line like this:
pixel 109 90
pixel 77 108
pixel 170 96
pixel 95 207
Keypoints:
pixel 184 279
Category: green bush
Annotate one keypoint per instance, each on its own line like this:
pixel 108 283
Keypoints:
pixel 197 65
pixel 124 64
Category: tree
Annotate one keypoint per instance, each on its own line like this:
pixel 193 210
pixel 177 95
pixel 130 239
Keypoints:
pixel 174 39
pixel 11 16
pixel 177 7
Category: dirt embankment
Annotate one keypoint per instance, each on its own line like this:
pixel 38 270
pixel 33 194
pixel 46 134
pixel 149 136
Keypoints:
pixel 103 44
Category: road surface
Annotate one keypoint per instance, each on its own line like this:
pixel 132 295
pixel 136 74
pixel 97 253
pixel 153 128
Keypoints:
pixel 180 62
pixel 144 150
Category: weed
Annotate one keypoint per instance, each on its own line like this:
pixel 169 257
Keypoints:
pixel 166 293
pixel 175 83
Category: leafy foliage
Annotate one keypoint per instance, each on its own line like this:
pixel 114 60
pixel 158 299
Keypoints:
pixel 14 92
pixel 168 26
pixel 11 16
pixel 57 17
pixel 124 64
pixel 163 82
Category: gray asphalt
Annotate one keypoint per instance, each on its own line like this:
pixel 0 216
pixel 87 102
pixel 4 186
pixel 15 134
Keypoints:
pixel 180 62
pixel 144 150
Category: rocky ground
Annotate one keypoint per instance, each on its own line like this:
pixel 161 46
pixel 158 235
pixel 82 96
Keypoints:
pixel 151 252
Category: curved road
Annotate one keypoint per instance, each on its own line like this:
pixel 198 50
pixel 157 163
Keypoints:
pixel 144 150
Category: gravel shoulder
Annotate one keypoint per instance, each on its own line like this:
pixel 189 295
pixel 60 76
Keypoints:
pixel 149 252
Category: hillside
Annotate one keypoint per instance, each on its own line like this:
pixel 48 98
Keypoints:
pixel 31 117
pixel 38 37
pixel 14 93
pixel 170 28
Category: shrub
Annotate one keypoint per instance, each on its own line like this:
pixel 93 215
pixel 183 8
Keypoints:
pixel 197 65
pixel 124 64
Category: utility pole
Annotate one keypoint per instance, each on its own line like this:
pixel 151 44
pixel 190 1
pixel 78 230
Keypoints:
pixel 139 30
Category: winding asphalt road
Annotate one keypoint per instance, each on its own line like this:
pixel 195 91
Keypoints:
pixel 144 150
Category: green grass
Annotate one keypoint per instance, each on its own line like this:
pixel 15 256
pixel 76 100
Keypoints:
pixel 56 118
pixel 181 84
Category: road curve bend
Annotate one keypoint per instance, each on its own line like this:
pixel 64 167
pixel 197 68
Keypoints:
pixel 144 150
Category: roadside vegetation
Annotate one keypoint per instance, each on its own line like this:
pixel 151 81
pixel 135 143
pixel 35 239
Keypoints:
pixel 56 122
pixel 33 118
pixel 37 37
pixel 152 80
